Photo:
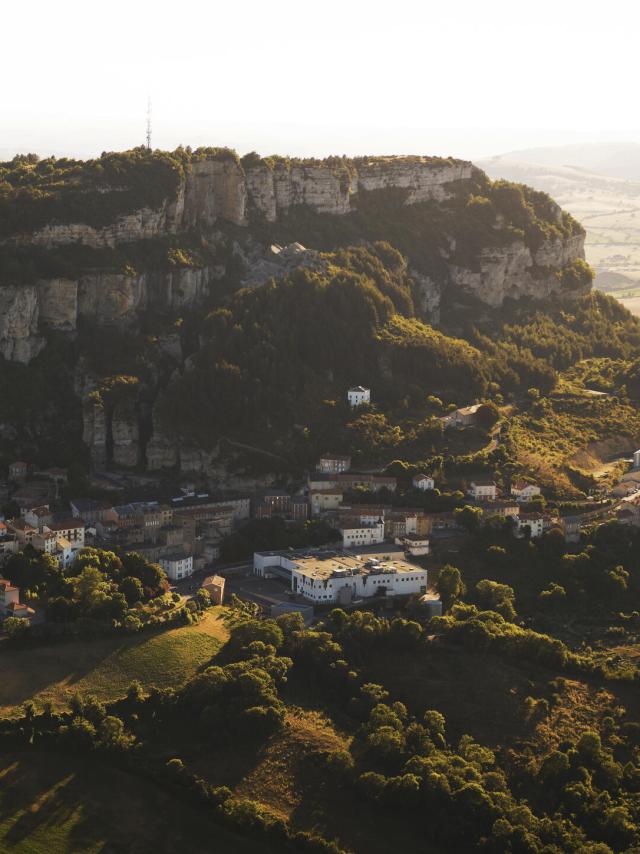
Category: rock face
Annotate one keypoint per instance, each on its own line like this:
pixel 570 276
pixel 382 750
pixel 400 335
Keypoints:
pixel 58 304
pixel 216 190
pixel 243 194
pixel 515 271
pixel 271 192
pixel 278 261
pixel 139 225
pixel 94 433
pixel 125 435
pixel 19 314
pixel 107 299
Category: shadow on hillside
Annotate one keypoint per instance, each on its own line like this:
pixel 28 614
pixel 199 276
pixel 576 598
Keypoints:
pixel 47 798
pixel 29 671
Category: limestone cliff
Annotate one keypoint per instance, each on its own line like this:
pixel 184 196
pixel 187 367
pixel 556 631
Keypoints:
pixel 215 190
pixel 514 271
pixel 241 213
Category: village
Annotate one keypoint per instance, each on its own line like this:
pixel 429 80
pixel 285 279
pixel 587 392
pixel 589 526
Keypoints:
pixel 381 549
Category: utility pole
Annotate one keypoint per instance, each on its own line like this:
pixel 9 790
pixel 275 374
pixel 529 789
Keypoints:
pixel 149 123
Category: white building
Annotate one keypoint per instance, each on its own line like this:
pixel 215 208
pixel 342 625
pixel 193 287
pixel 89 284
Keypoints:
pixel 524 490
pixel 65 552
pixel 45 542
pixel 71 529
pixel 464 417
pixel 483 489
pixel 415 544
pixel 327 577
pixel 177 566
pixel 334 463
pixel 533 521
pixel 362 533
pixel 423 482
pixel 322 500
pixel 636 459
pixel 358 395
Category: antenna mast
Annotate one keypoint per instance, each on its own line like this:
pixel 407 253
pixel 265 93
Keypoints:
pixel 149 123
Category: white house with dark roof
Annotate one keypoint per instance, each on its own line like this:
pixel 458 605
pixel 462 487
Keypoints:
pixel 334 463
pixel 360 532
pixel 423 482
pixel 483 489
pixel 358 394
pixel 524 490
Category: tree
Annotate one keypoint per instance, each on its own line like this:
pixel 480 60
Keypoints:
pixel 450 586
pixel 15 627
pixel 497 597
pixel 132 589
pixel 469 517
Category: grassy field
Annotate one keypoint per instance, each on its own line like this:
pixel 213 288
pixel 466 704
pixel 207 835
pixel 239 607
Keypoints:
pixel 106 667
pixel 52 803
pixel 276 776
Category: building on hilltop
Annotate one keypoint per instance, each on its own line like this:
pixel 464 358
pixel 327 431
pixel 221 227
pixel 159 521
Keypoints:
pixel 358 395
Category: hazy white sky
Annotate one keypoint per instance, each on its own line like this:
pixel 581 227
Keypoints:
pixel 468 78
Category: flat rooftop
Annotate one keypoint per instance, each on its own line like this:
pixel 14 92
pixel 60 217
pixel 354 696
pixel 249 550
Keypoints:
pixel 341 563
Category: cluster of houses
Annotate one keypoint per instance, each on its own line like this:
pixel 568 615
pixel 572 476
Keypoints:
pixel 367 525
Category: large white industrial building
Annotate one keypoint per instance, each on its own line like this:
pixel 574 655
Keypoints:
pixel 326 577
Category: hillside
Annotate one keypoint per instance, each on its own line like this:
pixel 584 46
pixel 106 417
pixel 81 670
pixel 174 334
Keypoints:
pixel 613 159
pixel 607 204
pixel 119 276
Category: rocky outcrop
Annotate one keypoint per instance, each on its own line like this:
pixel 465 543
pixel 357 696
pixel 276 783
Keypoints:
pixel 514 271
pixel 19 314
pixel 162 453
pixel 94 434
pixel 423 180
pixel 139 225
pixel 104 298
pixel 429 295
pixel 271 192
pixel 278 261
pixel 215 190
pixel 125 435
pixel 58 304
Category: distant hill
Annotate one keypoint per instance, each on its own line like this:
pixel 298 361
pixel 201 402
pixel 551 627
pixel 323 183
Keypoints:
pixel 613 159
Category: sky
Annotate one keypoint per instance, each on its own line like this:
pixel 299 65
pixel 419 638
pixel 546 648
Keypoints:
pixel 470 79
